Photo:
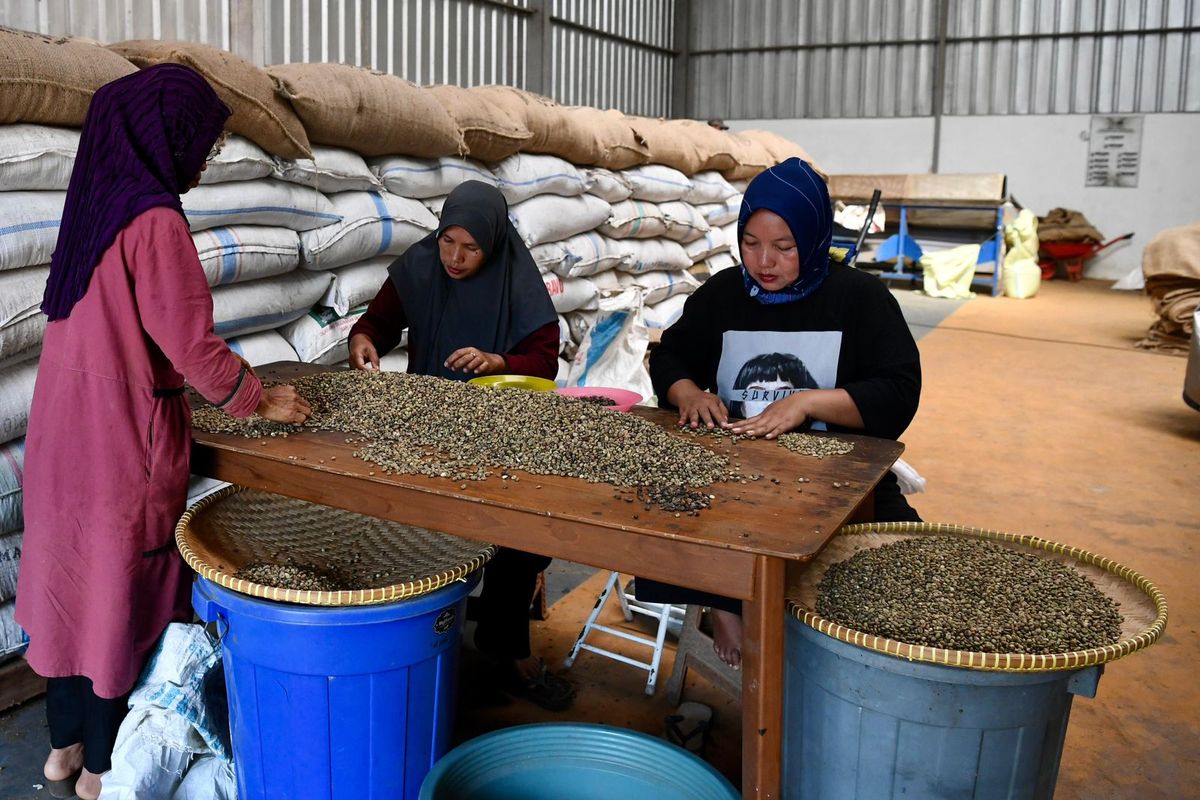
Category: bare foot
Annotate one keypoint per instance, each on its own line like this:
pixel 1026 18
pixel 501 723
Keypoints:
pixel 528 668
pixel 88 786
pixel 727 637
pixel 63 762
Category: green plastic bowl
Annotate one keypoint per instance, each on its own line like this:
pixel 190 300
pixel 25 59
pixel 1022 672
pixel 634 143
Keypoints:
pixel 527 382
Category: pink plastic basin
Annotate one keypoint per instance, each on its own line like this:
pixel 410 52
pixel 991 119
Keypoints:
pixel 623 398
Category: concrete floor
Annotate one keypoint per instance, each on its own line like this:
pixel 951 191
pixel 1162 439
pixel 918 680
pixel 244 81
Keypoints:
pixel 1037 417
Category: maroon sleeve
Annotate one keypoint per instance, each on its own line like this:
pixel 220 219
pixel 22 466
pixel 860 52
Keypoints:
pixel 384 321
pixel 536 354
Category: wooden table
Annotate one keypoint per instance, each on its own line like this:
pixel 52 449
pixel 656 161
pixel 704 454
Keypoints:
pixel 737 548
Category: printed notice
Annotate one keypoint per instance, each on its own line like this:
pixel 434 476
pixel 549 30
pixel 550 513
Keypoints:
pixel 1114 151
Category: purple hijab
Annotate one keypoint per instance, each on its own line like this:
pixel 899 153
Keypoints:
pixel 144 140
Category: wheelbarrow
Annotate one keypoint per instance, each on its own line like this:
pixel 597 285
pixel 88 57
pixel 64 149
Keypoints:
pixel 1071 255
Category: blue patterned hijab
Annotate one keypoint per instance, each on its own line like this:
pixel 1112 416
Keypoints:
pixel 795 192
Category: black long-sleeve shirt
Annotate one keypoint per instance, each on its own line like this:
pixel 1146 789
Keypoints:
pixel 848 334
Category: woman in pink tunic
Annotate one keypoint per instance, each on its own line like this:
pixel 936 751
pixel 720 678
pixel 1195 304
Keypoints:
pixel 107 449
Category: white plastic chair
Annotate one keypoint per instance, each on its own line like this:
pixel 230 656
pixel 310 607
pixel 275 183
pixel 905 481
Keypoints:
pixel 664 614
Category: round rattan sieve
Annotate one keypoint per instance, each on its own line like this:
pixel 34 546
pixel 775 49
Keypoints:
pixel 237 526
pixel 1142 605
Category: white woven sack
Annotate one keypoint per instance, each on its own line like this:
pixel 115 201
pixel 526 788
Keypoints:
pixel 658 286
pixel 564 371
pixel 731 236
pixel 570 294
pixel 708 245
pixel 709 187
pixel 29 227
pixel 424 177
pixel 246 253
pixel 550 218
pixel 721 214
pixel 719 262
pixel 21 292
pixel 609 185
pixel 434 204
pixel 581 322
pixel 684 222
pixel 330 170
pixel 373 224
pixel 242 308
pixel 657 183
pixel 319 337
pixel 564 333
pixel 264 347
pixel 635 219
pixel 523 175
pixel 664 314
pixel 239 160
pixel 608 283
pixel 613 352
pixel 648 255
pixel 10 559
pixel 356 284
pixel 262 202
pixel 36 157
pixel 580 256
pixel 16 396
pixel 12 639
pixel 12 475
pixel 395 361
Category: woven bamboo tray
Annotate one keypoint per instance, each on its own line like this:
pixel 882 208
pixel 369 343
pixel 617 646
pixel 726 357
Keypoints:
pixel 1141 603
pixel 237 526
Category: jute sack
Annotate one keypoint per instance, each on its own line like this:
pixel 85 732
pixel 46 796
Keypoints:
pixel 669 144
pixel 239 160
pixel 262 202
pixel 373 224
pixel 16 396
pixel 12 475
pixel 264 347
pixel 356 284
pixel 246 252
pixel 330 170
pixel 579 256
pixel 423 178
pixel 242 308
pixel 51 81
pixel 715 148
pixel 549 218
pixel 609 185
pixel 489 132
pixel 648 255
pixel 29 227
pixel 258 113
pixel 685 222
pixel 21 293
pixel 606 133
pixel 781 149
pixel 752 158
pixel 36 157
pixel 709 187
pixel 522 176
pixel 371 113
pixel 635 219
pixel 541 116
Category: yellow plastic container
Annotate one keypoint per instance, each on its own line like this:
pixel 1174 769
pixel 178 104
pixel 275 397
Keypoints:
pixel 527 382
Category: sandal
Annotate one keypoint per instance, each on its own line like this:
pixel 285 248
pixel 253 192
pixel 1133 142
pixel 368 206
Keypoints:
pixel 546 689
pixel 688 726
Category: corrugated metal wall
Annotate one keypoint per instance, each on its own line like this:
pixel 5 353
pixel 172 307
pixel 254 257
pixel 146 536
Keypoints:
pixel 870 58
pixel 608 53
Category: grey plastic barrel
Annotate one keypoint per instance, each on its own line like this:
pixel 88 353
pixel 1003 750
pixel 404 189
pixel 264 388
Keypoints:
pixel 860 724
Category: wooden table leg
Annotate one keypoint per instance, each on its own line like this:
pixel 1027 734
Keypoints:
pixel 762 682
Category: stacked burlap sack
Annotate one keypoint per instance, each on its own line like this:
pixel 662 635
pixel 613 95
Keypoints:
pixel 332 171
pixel 1171 266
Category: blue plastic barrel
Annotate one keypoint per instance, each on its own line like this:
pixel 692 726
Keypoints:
pixel 580 761
pixel 347 703
pixel 860 724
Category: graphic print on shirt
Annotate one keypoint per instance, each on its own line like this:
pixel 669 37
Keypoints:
pixel 760 367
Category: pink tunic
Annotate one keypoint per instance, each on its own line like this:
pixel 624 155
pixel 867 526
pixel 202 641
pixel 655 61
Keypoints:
pixel 106 459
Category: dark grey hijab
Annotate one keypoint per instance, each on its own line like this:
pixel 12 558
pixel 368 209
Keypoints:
pixel 493 310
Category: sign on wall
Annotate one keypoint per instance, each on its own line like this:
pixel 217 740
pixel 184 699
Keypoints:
pixel 1114 151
